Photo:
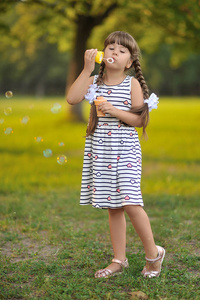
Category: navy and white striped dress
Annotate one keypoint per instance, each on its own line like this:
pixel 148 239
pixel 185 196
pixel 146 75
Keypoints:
pixel 112 158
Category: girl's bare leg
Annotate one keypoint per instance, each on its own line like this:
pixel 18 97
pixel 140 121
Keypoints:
pixel 117 223
pixel 142 226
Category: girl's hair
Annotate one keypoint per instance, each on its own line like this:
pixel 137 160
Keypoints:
pixel 126 40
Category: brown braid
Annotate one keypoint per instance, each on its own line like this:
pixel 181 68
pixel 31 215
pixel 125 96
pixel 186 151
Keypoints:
pixel 100 76
pixel 143 111
pixel 140 78
pixel 93 120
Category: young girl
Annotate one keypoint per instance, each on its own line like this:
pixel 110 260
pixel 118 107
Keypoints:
pixel 112 160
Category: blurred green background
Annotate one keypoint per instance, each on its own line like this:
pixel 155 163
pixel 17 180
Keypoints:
pixel 43 42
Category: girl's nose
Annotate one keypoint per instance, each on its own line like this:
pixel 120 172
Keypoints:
pixel 115 52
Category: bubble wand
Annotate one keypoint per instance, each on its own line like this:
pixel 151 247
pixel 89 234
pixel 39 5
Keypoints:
pixel 100 56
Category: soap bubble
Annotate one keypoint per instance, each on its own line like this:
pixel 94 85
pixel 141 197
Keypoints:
pixel 56 108
pixel 8 130
pixel 25 120
pixel 61 144
pixel 1 121
pixel 62 159
pixel 8 94
pixel 8 111
pixel 47 153
pixel 38 139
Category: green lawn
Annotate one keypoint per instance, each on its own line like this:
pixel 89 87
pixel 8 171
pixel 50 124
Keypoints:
pixel 51 246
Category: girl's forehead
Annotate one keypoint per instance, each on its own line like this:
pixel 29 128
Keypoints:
pixel 117 44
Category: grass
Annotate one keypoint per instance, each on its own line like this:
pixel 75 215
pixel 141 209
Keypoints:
pixel 51 246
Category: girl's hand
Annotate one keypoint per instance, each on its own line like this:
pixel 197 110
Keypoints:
pixel 89 60
pixel 107 108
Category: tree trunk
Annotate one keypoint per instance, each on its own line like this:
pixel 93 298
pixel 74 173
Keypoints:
pixel 85 25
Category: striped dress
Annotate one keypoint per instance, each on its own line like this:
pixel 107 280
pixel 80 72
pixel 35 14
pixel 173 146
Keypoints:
pixel 112 158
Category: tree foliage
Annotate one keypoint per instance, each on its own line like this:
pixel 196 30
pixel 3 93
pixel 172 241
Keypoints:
pixel 27 27
pixel 69 23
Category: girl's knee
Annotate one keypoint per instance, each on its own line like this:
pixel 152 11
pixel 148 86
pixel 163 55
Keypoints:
pixel 114 212
pixel 133 209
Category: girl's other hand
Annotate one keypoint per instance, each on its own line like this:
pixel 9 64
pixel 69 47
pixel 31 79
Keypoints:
pixel 107 108
pixel 89 60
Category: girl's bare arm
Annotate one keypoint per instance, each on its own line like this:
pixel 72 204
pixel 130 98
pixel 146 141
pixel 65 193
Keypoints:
pixel 80 86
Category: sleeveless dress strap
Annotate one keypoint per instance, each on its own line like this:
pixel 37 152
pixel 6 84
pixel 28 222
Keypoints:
pixel 130 79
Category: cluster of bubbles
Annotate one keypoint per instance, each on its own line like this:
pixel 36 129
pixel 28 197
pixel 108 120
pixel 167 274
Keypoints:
pixel 56 108
pixel 8 111
pixel 61 159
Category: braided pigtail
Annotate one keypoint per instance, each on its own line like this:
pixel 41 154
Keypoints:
pixel 140 78
pixel 143 111
pixel 100 76
pixel 93 119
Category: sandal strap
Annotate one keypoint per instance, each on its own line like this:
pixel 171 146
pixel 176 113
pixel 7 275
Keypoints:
pixel 123 264
pixel 106 271
pixel 152 274
pixel 153 260
pixel 161 251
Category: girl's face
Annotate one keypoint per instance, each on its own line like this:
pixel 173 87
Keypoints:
pixel 120 54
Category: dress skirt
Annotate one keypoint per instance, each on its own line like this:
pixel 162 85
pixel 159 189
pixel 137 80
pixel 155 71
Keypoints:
pixel 111 173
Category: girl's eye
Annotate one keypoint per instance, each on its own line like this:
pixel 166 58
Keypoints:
pixel 111 48
pixel 122 51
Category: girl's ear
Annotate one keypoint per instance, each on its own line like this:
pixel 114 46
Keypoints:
pixel 129 63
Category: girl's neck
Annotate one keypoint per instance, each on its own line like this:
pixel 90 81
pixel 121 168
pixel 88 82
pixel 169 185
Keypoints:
pixel 113 78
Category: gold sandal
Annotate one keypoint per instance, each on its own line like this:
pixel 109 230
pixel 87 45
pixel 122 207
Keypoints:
pixel 161 255
pixel 104 273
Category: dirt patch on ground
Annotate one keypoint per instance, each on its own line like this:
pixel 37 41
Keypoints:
pixel 26 249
